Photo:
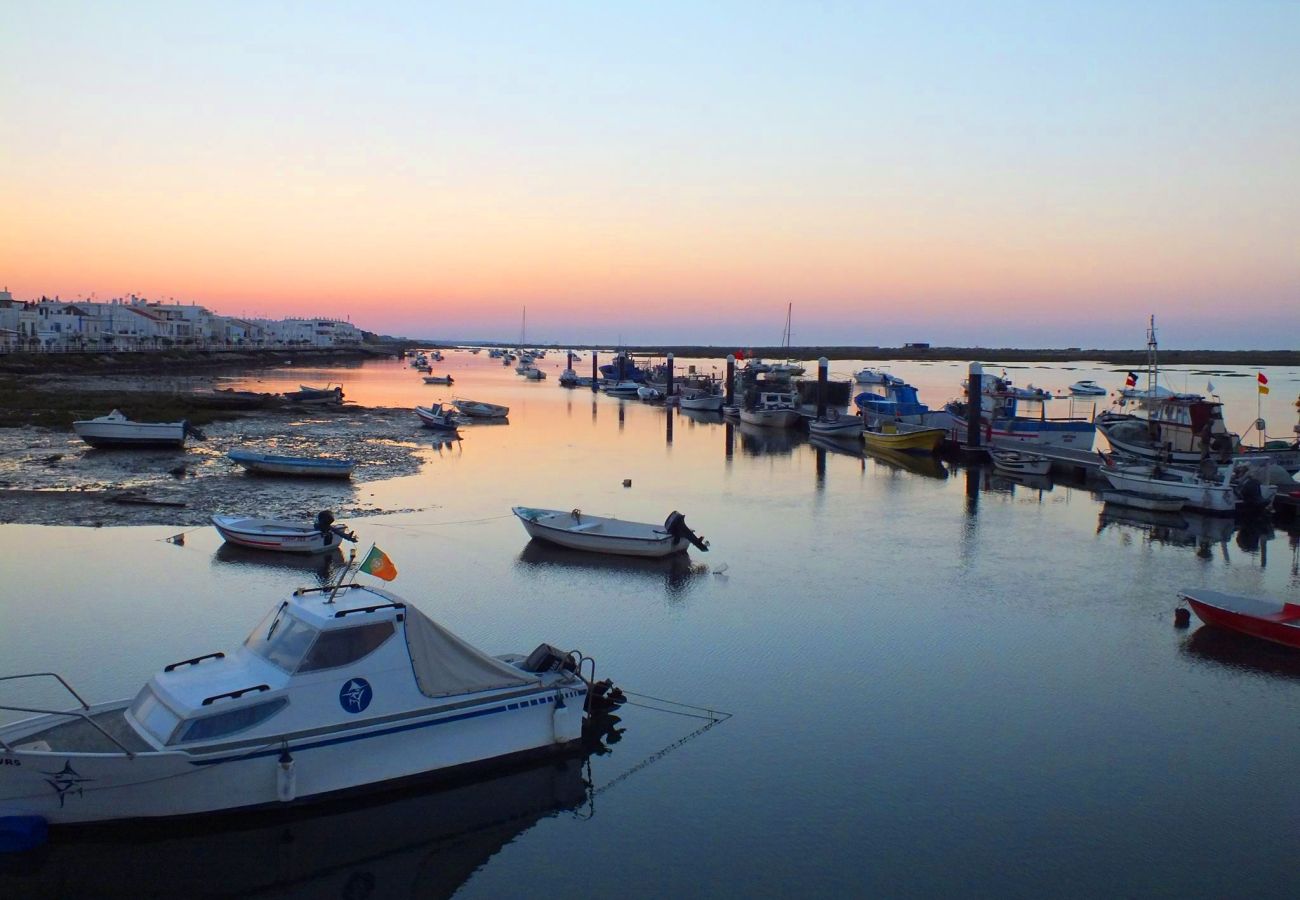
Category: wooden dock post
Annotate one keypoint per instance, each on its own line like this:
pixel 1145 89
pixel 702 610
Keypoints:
pixel 731 380
pixel 974 406
pixel 668 388
pixel 823 365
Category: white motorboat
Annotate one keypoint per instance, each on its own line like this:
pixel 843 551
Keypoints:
pixel 599 534
pixel 321 536
pixel 649 394
pixel 1087 388
pixel 1020 462
pixel 437 416
pixel 480 410
pixel 568 378
pixel 876 376
pixel 532 373
pixel 1150 502
pixel 836 425
pixel 338 688
pixel 116 430
pixel 309 466
pixel 1219 494
pixel 439 379
pixel 622 389
pixel 705 401
pixel 773 409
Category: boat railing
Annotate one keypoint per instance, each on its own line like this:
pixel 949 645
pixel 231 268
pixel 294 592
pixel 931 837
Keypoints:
pixel 82 713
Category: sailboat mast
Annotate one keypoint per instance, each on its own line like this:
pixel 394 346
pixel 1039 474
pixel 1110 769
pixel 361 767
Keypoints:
pixel 1153 370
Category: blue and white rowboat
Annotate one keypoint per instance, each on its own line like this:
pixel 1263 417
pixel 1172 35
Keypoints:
pixel 310 466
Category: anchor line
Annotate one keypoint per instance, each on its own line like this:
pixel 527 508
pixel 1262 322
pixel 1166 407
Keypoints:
pixel 655 757
pixel 714 717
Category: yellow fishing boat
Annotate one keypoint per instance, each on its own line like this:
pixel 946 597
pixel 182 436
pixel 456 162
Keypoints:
pixel 903 436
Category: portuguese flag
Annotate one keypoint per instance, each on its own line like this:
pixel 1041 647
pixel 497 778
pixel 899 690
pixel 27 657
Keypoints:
pixel 378 564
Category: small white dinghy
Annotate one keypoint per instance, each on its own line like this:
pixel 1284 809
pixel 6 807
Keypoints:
pixel 479 410
pixel 321 536
pixel 116 430
pixel 702 401
pixel 1150 502
pixel 338 688
pixel 836 425
pixel 598 534
pixel 1019 462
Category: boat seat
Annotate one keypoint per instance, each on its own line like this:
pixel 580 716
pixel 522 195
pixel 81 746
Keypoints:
pixel 584 526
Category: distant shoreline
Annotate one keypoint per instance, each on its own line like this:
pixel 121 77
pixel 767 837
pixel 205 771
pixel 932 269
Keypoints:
pixel 1130 358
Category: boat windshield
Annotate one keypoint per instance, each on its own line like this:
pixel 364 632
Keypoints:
pixel 281 639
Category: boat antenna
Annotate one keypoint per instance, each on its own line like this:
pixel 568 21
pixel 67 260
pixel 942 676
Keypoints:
pixel 352 557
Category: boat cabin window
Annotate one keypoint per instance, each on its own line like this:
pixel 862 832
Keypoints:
pixel 228 722
pixel 342 646
pixel 153 714
pixel 281 638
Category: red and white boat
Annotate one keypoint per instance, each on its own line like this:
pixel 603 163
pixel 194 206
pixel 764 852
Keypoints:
pixel 1271 620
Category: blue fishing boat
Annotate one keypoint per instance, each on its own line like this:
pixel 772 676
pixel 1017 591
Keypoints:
pixel 308 466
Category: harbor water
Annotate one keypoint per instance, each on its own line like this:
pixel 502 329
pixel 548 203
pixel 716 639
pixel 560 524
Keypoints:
pixel 941 681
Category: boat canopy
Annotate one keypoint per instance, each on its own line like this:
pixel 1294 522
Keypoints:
pixel 445 665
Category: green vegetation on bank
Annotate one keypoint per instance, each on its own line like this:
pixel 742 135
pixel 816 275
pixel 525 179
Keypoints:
pixel 22 403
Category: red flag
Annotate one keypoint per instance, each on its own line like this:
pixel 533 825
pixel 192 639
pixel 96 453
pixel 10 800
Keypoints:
pixel 1132 379
pixel 740 354
pixel 1263 379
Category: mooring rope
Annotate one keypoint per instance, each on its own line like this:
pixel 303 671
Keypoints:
pixel 440 524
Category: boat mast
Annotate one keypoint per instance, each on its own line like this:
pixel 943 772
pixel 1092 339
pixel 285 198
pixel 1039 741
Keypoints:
pixel 785 336
pixel 1153 369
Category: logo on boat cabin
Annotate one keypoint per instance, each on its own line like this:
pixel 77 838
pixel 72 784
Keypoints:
pixel 355 695
pixel 66 781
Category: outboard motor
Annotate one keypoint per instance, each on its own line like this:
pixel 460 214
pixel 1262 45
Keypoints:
pixel 325 523
pixel 675 525
pixel 1250 492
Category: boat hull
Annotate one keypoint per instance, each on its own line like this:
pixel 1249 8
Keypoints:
pixel 925 440
pixel 1216 498
pixel 300 467
pixel 572 534
pixel 286 538
pixel 113 786
pixel 1276 622
pixel 131 434
pixel 770 418
pixel 712 403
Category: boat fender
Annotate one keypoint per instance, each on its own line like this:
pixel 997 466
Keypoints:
pixel 565 721
pixel 286 778
pixel 1182 617
pixel 21 833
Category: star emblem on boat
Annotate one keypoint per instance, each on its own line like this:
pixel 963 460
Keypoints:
pixel 66 781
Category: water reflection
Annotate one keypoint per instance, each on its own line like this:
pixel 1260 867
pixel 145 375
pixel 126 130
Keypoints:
pixel 325 566
pixel 677 571
pixel 702 416
pixel 917 463
pixel 755 440
pixel 1242 652
pixel 413 842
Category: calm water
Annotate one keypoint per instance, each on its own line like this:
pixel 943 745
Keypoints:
pixel 943 683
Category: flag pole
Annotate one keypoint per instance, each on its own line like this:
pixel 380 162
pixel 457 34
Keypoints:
pixel 352 556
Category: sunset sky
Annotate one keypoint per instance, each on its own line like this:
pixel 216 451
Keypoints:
pixel 1036 173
